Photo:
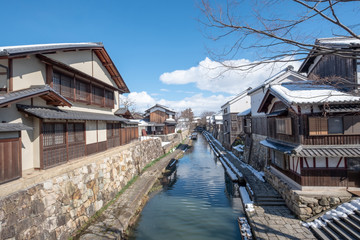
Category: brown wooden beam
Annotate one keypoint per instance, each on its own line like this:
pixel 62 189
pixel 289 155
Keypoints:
pixel 11 84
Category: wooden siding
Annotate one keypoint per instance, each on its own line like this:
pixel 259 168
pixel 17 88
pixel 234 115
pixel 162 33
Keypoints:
pixel 272 133
pixel 324 177
pixel 158 116
pixel 332 65
pixel 91 148
pixel 259 125
pixel 10 159
pixel 336 139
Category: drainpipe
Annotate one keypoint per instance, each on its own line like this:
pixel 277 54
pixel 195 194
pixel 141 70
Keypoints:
pixel 7 76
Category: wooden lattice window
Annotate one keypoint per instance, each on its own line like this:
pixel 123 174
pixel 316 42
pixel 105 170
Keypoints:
pixel 109 98
pixel 283 126
pixel 318 126
pixel 64 85
pixel 82 91
pixel 97 95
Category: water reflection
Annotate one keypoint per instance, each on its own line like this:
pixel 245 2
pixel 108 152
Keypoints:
pixel 198 201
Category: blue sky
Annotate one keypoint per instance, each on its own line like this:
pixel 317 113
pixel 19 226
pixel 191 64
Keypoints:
pixel 156 45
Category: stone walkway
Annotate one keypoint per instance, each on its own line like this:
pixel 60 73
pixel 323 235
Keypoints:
pixel 116 219
pixel 268 222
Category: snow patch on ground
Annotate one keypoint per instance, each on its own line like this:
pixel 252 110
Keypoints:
pixel 164 143
pixel 341 211
pixel 249 205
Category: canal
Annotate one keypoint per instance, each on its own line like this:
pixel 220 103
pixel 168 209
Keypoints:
pixel 197 201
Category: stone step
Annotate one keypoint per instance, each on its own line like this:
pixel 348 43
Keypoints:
pixel 352 223
pixel 339 231
pixel 328 231
pixel 319 234
pixel 271 203
pixel 269 200
pixel 347 229
pixel 269 196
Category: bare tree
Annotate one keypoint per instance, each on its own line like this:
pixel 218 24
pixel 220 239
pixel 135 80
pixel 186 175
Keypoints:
pixel 273 35
pixel 129 104
pixel 203 116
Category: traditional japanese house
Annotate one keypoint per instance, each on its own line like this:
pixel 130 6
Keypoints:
pixel 229 116
pixel 334 61
pixel 313 135
pixel 217 125
pixel 160 120
pixel 57 103
pixel 255 125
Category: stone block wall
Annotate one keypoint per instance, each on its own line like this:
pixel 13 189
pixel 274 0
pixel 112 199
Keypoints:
pixel 305 207
pixel 256 154
pixel 55 207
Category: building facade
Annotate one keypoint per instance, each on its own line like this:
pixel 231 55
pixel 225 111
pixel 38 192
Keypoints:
pixel 160 120
pixel 57 104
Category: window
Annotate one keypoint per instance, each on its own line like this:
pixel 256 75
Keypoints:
pixel 318 126
pixel 352 124
pixel 283 126
pixel 335 125
pixel 64 85
pixel 76 132
pixel 97 95
pixel 280 159
pixel 82 91
pixel 109 98
pixel 53 134
pixel 79 91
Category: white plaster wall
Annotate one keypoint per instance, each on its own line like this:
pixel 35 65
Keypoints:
pixel 80 60
pixel 333 162
pixel 101 131
pixel 28 72
pixel 100 71
pixel 256 99
pixel 240 105
pixel 3 78
pixel 320 162
pixel 85 61
pixel 91 135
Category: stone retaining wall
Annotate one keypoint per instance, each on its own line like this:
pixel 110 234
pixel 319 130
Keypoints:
pixel 309 205
pixel 256 154
pixel 54 208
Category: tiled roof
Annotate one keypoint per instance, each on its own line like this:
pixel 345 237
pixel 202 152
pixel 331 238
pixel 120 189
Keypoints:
pixel 309 93
pixel 55 113
pixel 16 96
pixel 121 111
pixel 277 146
pixel 160 106
pixel 328 151
pixel 13 127
pixel 314 150
pixel 13 50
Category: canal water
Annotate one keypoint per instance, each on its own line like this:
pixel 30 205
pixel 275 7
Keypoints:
pixel 197 201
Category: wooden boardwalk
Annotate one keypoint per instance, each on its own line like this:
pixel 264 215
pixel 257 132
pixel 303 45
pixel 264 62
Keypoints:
pixel 271 218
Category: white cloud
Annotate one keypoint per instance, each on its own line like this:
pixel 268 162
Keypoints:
pixel 198 103
pixel 213 76
pixel 164 90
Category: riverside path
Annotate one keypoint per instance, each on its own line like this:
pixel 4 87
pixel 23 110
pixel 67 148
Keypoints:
pixel 271 218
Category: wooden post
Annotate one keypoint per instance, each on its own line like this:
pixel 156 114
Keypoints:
pixel 11 72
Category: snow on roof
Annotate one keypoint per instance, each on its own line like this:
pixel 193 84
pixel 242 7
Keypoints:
pixel 338 41
pixel 244 113
pixel 10 50
pixel 308 93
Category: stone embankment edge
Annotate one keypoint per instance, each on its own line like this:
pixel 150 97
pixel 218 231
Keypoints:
pixel 177 153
